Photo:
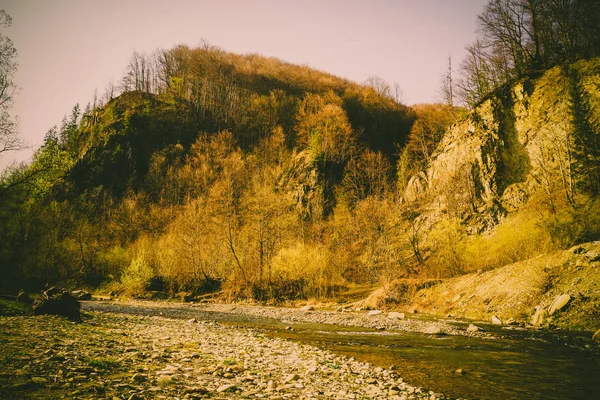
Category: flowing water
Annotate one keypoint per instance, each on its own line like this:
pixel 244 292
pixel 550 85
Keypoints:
pixel 519 364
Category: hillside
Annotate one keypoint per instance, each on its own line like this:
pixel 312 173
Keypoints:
pixel 273 182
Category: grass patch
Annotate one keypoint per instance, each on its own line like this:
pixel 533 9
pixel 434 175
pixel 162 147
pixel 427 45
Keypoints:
pixel 103 363
pixel 12 308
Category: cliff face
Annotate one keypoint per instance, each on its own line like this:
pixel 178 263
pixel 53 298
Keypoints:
pixel 524 138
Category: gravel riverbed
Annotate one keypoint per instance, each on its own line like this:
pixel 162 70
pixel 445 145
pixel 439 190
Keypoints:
pixel 129 356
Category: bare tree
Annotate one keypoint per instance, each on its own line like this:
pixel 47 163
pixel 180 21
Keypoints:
pixel 9 138
pixel 447 86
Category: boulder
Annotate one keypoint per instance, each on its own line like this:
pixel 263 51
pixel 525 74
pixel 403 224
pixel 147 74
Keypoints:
pixel 559 303
pixel 81 295
pixel 540 317
pixel 23 297
pixel 472 328
pixel 396 315
pixel 374 312
pixel 433 330
pixel 58 302
pixel 496 320
pixel 307 308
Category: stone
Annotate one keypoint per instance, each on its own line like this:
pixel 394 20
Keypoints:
pixel 192 320
pixel 473 328
pixel 58 303
pixel 460 371
pixel 432 330
pixel 396 315
pixel 307 308
pixel 559 303
pixel 496 320
pixel 291 378
pixel 139 378
pixel 539 317
pixel 23 297
pixel 374 312
pixel 227 388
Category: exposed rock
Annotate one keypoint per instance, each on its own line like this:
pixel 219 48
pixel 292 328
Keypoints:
pixel 540 316
pixel 81 295
pixel 307 308
pixel 58 303
pixel 396 315
pixel 495 148
pixel 460 371
pixel 559 303
pixel 374 312
pixel 473 328
pixel 496 320
pixel 23 297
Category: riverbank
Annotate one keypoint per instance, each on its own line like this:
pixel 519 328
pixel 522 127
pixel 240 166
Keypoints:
pixel 124 356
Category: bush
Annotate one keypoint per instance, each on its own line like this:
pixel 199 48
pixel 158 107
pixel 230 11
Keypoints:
pixel 136 276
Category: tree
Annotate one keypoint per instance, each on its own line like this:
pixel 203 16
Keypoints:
pixel 447 86
pixel 9 139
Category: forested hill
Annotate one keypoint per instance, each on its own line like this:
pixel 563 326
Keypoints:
pixel 261 152
pixel 172 96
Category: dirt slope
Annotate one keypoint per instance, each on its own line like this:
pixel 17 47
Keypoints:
pixel 512 292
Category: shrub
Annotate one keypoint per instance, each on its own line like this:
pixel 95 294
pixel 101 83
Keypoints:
pixel 136 276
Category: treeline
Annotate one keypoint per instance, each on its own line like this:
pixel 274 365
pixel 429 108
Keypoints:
pixel 518 38
pixel 272 221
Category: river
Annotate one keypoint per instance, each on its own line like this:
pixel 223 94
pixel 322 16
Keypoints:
pixel 516 364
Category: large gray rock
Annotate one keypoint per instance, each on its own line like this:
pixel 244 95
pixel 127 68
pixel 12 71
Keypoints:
pixel 559 303
pixel 496 320
pixel 396 315
pixel 58 302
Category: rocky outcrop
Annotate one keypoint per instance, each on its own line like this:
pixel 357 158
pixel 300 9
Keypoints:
pixel 509 146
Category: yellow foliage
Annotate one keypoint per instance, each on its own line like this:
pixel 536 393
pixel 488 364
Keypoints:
pixel 309 263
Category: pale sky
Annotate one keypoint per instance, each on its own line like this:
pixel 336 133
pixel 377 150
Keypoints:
pixel 68 48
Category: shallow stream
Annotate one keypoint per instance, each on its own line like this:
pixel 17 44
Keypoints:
pixel 518 364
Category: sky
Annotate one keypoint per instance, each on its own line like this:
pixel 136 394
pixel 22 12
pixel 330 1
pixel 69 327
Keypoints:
pixel 67 49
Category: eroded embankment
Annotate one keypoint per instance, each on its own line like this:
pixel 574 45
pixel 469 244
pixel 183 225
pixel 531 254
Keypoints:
pixel 515 292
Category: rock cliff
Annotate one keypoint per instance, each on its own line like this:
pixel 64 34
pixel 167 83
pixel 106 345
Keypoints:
pixel 524 138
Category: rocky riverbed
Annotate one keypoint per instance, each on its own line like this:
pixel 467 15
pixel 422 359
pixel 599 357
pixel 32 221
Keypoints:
pixel 374 319
pixel 128 356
